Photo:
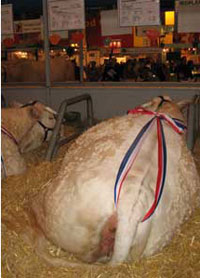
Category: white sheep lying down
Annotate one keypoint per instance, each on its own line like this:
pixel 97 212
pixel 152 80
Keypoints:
pixel 21 132
pixel 76 210
pixel 40 132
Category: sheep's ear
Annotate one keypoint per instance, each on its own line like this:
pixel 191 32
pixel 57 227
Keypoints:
pixel 48 109
pixel 36 110
pixel 183 103
pixel 147 104
pixel 15 104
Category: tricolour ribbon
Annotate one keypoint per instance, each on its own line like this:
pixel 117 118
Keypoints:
pixel 6 132
pixel 3 165
pixel 135 147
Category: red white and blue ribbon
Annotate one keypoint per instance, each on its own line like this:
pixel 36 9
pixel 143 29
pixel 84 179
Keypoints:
pixel 6 132
pixel 3 166
pixel 135 147
pixel 9 134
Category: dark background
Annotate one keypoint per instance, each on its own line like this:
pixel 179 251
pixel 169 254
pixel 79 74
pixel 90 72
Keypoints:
pixel 30 9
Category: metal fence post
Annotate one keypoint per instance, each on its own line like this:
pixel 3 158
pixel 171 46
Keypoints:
pixel 190 131
pixel 46 51
pixel 55 141
pixel 81 60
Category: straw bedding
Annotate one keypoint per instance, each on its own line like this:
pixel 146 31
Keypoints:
pixel 180 259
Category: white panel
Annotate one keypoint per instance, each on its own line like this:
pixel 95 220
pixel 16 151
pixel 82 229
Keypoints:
pixel 66 15
pixel 107 101
pixel 139 12
pixel 189 19
pixel 110 25
pixel 28 26
pixel 6 19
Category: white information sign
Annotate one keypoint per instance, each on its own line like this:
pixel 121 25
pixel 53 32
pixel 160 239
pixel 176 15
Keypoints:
pixel 139 12
pixel 66 15
pixel 6 19
pixel 28 26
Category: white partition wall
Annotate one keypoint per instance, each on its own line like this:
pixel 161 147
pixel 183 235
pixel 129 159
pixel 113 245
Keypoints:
pixel 108 99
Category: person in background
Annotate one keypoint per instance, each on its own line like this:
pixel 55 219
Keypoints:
pixel 182 69
pixel 77 70
pixel 92 72
pixel 190 68
pixel 111 69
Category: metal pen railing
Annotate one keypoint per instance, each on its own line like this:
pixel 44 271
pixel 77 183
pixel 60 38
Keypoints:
pixel 193 123
pixel 55 141
pixel 193 131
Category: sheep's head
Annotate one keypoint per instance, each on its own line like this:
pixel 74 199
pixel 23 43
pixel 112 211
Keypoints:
pixel 164 104
pixel 42 130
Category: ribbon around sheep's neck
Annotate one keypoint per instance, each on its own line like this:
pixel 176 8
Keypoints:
pixel 9 134
pixel 135 147
pixel 3 166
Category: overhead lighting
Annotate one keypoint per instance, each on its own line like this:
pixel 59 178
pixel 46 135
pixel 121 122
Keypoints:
pixel 115 44
pixel 74 45
pixel 165 49
pixel 21 54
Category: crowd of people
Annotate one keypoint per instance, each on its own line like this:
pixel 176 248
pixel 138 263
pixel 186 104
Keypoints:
pixel 133 70
pixel 141 70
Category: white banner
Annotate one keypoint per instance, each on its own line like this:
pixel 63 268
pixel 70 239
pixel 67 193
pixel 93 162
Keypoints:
pixel 188 16
pixel 6 19
pixel 66 15
pixel 28 26
pixel 139 12
pixel 110 25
